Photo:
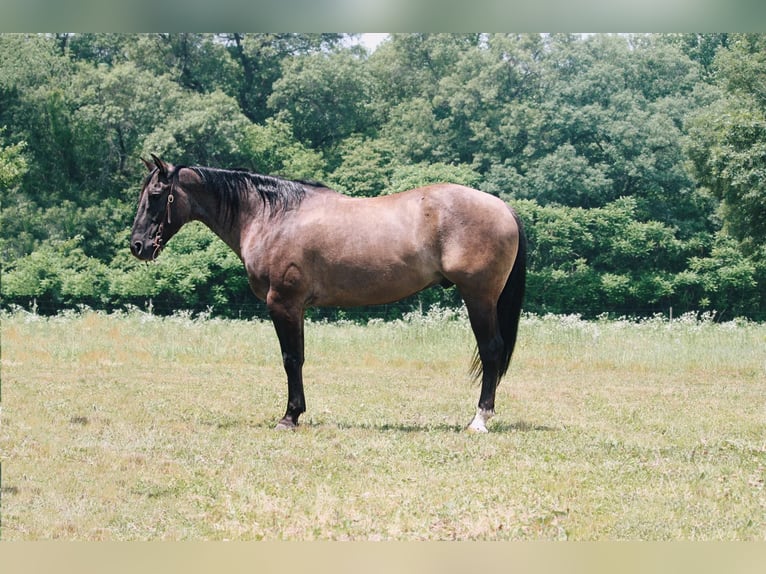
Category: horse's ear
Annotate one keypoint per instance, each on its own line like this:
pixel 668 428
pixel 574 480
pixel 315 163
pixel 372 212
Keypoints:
pixel 161 165
pixel 149 165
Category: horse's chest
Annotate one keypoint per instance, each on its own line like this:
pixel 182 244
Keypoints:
pixel 258 278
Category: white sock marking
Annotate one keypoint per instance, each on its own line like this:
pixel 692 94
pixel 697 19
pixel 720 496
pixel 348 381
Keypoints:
pixel 479 422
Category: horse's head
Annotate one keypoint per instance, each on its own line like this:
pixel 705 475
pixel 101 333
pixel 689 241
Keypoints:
pixel 160 213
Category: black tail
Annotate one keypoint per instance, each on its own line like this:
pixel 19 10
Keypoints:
pixel 509 303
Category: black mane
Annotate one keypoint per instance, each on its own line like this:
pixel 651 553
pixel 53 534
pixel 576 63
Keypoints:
pixel 230 186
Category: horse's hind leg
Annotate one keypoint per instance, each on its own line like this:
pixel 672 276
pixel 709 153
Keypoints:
pixel 483 316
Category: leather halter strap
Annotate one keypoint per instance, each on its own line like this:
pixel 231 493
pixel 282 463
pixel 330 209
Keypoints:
pixel 157 242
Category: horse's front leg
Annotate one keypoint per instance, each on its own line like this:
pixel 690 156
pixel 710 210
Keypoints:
pixel 288 322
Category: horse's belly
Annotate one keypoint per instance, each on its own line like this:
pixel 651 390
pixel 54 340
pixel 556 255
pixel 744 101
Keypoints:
pixel 355 286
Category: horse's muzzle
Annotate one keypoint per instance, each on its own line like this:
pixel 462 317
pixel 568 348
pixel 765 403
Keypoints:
pixel 143 252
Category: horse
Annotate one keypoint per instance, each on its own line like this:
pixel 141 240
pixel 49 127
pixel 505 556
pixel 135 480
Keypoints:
pixel 303 244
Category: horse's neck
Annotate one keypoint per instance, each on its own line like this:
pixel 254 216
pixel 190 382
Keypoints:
pixel 205 210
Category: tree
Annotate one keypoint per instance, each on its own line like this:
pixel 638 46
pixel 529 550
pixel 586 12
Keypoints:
pixel 701 48
pixel 15 240
pixel 203 130
pixel 260 58
pixel 35 105
pixel 13 165
pixel 115 108
pixel 604 259
pixel 610 126
pixel 412 65
pixel 366 167
pixel 57 274
pixel 488 82
pixel 324 97
pixel 270 148
pixel 198 62
pixel 727 143
pixel 410 176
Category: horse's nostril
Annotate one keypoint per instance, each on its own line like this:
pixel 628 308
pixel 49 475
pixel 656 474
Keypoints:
pixel 137 248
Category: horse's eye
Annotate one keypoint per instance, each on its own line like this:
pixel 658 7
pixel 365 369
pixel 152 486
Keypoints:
pixel 156 191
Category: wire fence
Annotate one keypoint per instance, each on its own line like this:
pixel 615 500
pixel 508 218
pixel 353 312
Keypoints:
pixel 386 312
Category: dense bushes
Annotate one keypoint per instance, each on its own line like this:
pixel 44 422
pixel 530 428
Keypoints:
pixel 604 260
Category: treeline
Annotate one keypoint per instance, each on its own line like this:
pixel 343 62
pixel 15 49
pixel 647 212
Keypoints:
pixel 637 162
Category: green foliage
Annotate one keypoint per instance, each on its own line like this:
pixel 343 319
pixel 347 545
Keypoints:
pixel 727 143
pixel 636 161
pixel 366 167
pixel 56 274
pixel 324 97
pixel 728 151
pixel 13 165
pixel 566 178
pixel 727 280
pixel 604 259
pixel 412 130
pixel 205 129
pixel 259 58
pixel 271 148
pixel 701 48
pixel 117 107
pixel 417 175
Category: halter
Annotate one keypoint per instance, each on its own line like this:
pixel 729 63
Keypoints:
pixel 157 241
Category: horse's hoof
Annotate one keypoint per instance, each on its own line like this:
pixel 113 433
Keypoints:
pixel 479 422
pixel 285 425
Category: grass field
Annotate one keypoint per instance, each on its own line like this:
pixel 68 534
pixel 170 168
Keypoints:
pixel 134 427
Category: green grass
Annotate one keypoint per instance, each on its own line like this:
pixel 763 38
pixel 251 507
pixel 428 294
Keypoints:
pixel 134 427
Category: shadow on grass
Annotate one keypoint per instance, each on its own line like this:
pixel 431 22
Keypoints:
pixel 520 426
pixel 494 428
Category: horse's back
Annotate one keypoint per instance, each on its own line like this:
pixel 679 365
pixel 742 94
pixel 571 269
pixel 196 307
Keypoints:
pixel 465 208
